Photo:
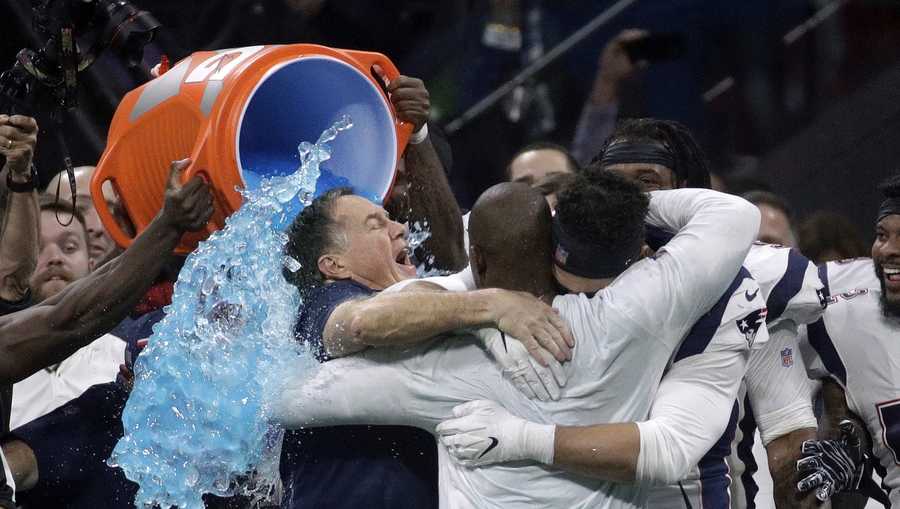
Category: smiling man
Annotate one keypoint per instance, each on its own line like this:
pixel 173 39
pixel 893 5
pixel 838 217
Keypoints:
pixel 855 345
pixel 886 249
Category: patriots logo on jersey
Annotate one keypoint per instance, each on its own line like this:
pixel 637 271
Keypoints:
pixel 750 324
pixel 787 357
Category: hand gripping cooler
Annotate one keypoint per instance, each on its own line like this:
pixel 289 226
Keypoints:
pixel 240 114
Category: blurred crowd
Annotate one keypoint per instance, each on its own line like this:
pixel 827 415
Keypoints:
pixel 77 308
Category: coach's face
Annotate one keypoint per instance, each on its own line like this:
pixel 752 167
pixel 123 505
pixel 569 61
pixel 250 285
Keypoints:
pixel 886 255
pixel 376 253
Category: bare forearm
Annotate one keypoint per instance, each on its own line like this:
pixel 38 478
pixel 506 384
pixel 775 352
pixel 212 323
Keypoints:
pixel 56 328
pixel 118 289
pixel 835 409
pixel 604 451
pixel 431 200
pixel 18 243
pixel 410 317
pixel 783 453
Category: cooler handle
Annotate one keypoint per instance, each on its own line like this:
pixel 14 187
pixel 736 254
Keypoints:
pixel 368 60
pixel 100 204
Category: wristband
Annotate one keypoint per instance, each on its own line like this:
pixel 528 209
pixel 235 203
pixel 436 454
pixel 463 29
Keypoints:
pixel 539 441
pixel 22 187
pixel 419 136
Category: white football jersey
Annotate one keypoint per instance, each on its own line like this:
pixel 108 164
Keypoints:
pixel 774 394
pixel 859 347
pixel 625 335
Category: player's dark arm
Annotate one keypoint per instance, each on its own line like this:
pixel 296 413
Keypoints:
pixel 835 410
pixel 19 225
pixel 431 200
pixel 783 453
pixel 52 330
pixel 424 193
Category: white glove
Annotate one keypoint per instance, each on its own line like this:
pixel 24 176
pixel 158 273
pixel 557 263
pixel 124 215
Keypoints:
pixel 484 433
pixel 526 373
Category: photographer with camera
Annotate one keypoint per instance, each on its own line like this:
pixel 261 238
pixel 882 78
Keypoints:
pixel 52 330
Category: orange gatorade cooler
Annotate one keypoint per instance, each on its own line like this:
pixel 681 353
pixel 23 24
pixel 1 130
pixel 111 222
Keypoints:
pixel 240 114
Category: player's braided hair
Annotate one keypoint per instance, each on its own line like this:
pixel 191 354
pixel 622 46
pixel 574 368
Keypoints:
pixel 691 165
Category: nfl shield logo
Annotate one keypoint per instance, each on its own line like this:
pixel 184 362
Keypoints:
pixel 787 357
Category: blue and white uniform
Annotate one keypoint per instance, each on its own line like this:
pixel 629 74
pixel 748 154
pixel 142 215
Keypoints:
pixel 856 345
pixel 625 336
pixel 774 394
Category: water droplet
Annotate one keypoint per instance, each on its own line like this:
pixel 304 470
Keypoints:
pixel 291 264
pixel 208 286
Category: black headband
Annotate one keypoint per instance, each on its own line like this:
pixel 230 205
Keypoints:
pixel 586 260
pixel 628 152
pixel 889 207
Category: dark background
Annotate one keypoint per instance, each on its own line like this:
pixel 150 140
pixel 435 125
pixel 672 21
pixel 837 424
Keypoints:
pixel 815 119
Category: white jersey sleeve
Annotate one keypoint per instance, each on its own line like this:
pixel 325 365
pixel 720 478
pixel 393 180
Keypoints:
pixel 673 289
pixel 690 412
pixel 790 282
pixel 388 386
pixel 778 388
pixel 693 405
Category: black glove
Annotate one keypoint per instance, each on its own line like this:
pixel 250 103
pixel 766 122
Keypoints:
pixel 831 466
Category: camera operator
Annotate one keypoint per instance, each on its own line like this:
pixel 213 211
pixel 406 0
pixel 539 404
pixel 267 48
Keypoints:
pixel 52 330
pixel 18 211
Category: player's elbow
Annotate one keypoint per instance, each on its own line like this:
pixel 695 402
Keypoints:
pixel 365 325
pixel 664 457
pixel 674 467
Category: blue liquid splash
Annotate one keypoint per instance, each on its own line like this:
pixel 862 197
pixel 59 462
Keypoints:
pixel 197 419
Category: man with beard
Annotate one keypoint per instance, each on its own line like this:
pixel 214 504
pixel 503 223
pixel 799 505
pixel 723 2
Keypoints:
pixel 50 331
pixel 101 245
pixel 855 344
pixel 63 258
